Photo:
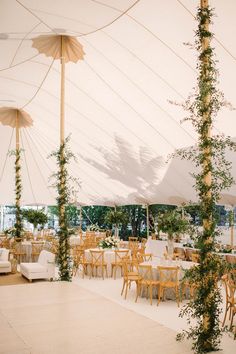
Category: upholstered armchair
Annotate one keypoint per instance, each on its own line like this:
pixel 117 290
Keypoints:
pixel 44 268
pixel 5 264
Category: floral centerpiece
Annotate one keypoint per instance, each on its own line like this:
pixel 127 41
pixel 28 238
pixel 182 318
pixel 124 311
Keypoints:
pixel 109 242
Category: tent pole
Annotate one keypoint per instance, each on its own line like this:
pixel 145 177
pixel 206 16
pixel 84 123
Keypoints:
pixel 80 217
pixel 1 218
pixel 147 219
pixel 17 169
pixel 206 198
pixel 17 131
pixel 232 228
pixel 116 226
pixel 62 103
pixel 62 120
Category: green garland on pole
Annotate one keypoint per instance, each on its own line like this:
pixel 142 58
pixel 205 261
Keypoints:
pixel 18 191
pixel 214 176
pixel 63 156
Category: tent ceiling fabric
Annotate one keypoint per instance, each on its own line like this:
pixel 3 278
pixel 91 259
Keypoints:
pixel 118 113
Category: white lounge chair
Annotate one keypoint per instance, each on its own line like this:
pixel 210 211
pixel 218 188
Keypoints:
pixel 43 269
pixel 5 264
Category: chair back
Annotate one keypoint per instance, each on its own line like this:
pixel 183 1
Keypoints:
pixel 6 243
pixel 99 239
pixel 17 247
pixel 147 257
pixel 37 247
pixel 89 243
pixel 133 239
pixel 133 246
pixel 179 252
pixel 54 246
pixel 45 258
pixel 230 259
pixel 168 276
pixel 232 285
pixel 229 282
pixel 146 272
pixel 78 255
pixel 28 235
pixel 195 257
pixel 91 235
pixel 224 280
pixel 143 242
pixel 120 255
pixel 97 256
pixel 188 253
pixel 126 266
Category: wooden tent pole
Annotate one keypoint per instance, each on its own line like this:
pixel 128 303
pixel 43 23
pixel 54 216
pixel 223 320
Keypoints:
pixel 207 153
pixel 206 117
pixel 62 102
pixel 62 123
pixel 17 178
pixel 80 216
pixel 147 219
pixel 232 228
pixel 17 155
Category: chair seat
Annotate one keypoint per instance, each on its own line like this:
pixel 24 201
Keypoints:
pixel 99 264
pixel 149 282
pixel 33 267
pixel 133 277
pixel 169 284
pixel 133 274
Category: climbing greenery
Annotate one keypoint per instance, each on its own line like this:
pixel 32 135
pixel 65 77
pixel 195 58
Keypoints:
pixel 213 175
pixel 18 191
pixel 66 186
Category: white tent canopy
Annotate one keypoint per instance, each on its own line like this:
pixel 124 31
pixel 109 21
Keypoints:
pixel 118 113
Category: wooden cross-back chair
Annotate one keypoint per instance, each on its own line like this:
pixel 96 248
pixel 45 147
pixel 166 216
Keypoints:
pixel 229 282
pixel 168 279
pixel 37 247
pixel 97 261
pixel 119 259
pixel 79 260
pixel 146 281
pixel 129 277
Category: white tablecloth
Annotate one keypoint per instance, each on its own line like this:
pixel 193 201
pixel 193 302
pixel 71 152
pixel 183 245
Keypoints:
pixel 109 257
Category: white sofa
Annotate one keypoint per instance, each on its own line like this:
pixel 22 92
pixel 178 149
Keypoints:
pixel 43 269
pixel 5 264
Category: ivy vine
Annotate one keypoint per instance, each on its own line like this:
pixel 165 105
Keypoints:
pixel 66 186
pixel 18 191
pixel 213 176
